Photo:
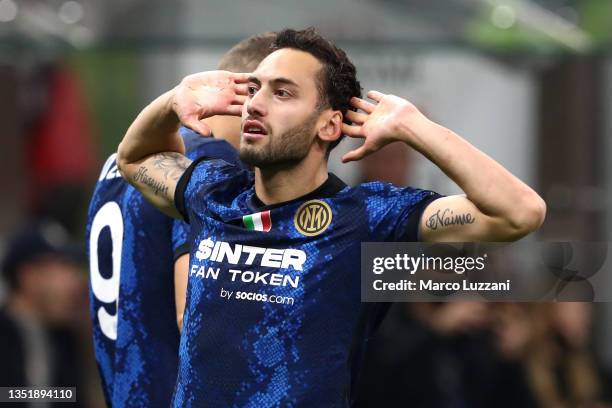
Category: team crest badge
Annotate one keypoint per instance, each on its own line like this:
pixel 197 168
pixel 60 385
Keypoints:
pixel 313 217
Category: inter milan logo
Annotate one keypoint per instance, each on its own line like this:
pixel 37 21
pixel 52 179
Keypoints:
pixel 313 217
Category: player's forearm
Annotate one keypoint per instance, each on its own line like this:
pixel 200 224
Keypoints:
pixel 493 189
pixel 151 154
pixel 154 130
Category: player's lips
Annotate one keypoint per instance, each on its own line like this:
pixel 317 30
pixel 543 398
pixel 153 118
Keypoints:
pixel 253 130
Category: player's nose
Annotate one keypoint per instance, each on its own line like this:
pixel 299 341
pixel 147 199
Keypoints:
pixel 256 105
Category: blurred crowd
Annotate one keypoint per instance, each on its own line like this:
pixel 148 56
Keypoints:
pixel 485 355
pixel 44 317
pixel 45 324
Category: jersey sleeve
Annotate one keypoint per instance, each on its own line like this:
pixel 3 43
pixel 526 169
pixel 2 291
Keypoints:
pixel 203 181
pixel 199 146
pixel 394 213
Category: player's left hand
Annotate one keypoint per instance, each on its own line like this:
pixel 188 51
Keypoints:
pixel 378 123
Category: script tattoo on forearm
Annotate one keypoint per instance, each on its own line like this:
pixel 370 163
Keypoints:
pixel 446 217
pixel 173 165
pixel 158 187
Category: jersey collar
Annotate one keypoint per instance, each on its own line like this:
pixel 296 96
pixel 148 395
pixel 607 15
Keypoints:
pixel 330 187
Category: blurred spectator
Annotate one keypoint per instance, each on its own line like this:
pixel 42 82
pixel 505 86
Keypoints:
pixel 553 343
pixel 60 156
pixel 440 355
pixel 46 299
pixel 482 355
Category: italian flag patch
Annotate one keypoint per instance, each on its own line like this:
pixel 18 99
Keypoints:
pixel 260 221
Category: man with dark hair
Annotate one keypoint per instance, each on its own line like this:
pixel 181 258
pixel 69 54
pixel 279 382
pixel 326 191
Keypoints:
pixel 132 252
pixel 336 81
pixel 273 314
pixel 38 340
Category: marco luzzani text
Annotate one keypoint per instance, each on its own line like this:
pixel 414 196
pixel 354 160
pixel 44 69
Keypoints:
pixel 467 267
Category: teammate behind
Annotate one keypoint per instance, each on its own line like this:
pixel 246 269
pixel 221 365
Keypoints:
pixel 273 315
pixel 131 252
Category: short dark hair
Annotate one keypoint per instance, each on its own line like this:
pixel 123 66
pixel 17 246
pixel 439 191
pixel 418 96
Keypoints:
pixel 247 54
pixel 34 242
pixel 337 81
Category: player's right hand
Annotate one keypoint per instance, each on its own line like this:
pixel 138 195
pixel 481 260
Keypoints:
pixel 207 94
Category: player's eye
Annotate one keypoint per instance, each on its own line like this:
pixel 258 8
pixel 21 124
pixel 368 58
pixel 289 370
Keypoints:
pixel 282 93
pixel 252 90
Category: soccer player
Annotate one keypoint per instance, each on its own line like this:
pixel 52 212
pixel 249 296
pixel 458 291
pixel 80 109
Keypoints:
pixel 273 315
pixel 131 250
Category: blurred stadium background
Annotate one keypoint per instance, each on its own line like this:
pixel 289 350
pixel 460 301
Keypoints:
pixel 527 81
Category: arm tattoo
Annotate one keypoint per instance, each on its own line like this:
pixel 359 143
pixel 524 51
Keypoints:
pixel 158 187
pixel 447 218
pixel 172 164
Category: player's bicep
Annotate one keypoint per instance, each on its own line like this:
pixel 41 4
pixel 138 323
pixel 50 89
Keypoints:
pixel 455 218
pixel 156 177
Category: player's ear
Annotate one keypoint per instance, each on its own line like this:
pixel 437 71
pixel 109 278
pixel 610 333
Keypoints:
pixel 330 127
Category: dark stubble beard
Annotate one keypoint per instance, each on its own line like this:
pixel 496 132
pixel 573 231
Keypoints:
pixel 286 149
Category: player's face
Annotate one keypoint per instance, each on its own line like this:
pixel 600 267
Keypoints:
pixel 279 119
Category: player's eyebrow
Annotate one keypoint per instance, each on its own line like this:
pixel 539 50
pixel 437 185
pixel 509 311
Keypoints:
pixel 254 80
pixel 284 81
pixel 275 81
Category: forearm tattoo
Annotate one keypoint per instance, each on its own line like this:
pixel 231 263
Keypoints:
pixel 446 218
pixel 172 164
pixel 158 187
